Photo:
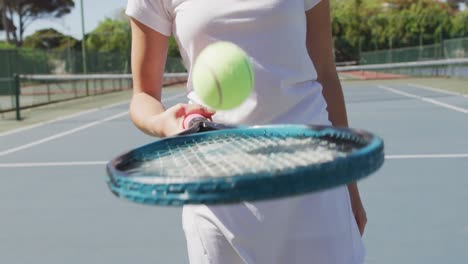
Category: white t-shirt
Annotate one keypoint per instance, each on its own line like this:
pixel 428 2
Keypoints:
pixel 273 34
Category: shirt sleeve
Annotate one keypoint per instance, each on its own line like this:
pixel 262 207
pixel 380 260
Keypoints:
pixel 308 4
pixel 151 13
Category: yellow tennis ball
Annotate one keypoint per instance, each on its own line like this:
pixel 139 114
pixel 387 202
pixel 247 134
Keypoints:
pixel 222 76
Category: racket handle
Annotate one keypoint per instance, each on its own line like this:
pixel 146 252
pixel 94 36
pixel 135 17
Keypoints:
pixel 190 119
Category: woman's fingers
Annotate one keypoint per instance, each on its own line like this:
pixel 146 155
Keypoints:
pixel 182 110
pixel 172 119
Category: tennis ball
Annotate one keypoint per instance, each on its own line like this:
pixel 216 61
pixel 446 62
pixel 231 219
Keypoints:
pixel 222 76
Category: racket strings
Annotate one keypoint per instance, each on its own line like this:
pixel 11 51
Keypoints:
pixel 224 156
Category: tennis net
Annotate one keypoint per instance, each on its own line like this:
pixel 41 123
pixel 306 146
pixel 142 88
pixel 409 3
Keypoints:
pixel 41 89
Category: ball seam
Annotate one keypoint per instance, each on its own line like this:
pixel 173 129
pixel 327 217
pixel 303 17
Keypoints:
pixel 218 84
pixel 248 65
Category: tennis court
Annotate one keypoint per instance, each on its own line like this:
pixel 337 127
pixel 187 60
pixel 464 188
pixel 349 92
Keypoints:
pixel 56 207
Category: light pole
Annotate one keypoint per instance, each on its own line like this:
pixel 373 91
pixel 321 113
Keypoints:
pixel 83 46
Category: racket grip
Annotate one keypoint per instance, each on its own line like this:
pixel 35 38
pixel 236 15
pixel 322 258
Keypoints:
pixel 190 119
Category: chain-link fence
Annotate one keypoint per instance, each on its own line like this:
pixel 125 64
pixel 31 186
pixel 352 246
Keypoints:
pixel 31 61
pixel 449 49
pixel 456 48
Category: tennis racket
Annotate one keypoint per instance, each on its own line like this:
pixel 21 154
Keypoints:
pixel 211 163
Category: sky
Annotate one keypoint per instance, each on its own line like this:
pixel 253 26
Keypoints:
pixel 70 24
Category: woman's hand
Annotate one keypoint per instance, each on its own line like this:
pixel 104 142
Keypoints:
pixel 169 122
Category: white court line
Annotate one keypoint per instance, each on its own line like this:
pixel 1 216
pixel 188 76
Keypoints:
pixel 436 90
pixel 59 135
pixel 100 163
pixel 52 164
pixel 68 132
pixel 59 119
pixel 14 131
pixel 428 156
pixel 425 99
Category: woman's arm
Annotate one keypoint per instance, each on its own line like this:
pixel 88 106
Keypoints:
pixel 320 47
pixel 149 52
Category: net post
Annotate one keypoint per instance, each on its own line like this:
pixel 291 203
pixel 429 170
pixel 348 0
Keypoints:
pixel 87 87
pixel 48 92
pixel 16 80
pixel 74 88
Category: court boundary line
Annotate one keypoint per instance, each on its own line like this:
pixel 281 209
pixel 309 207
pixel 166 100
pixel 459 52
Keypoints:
pixel 427 156
pixel 14 131
pixel 424 99
pixel 62 134
pixel 435 89
pixel 71 131
pixel 51 164
pixel 21 129
pixel 101 163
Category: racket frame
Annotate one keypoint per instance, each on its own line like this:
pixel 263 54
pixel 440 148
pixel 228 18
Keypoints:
pixel 356 165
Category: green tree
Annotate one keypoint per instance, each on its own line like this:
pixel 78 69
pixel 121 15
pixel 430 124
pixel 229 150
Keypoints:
pixel 455 4
pixel 49 39
pixel 382 24
pixel 173 50
pixel 5 45
pixel 6 24
pixel 109 46
pixel 415 22
pixel 459 24
pixel 111 35
pixel 27 11
pixel 351 28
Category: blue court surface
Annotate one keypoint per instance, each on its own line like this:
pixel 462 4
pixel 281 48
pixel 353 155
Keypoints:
pixel 56 208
